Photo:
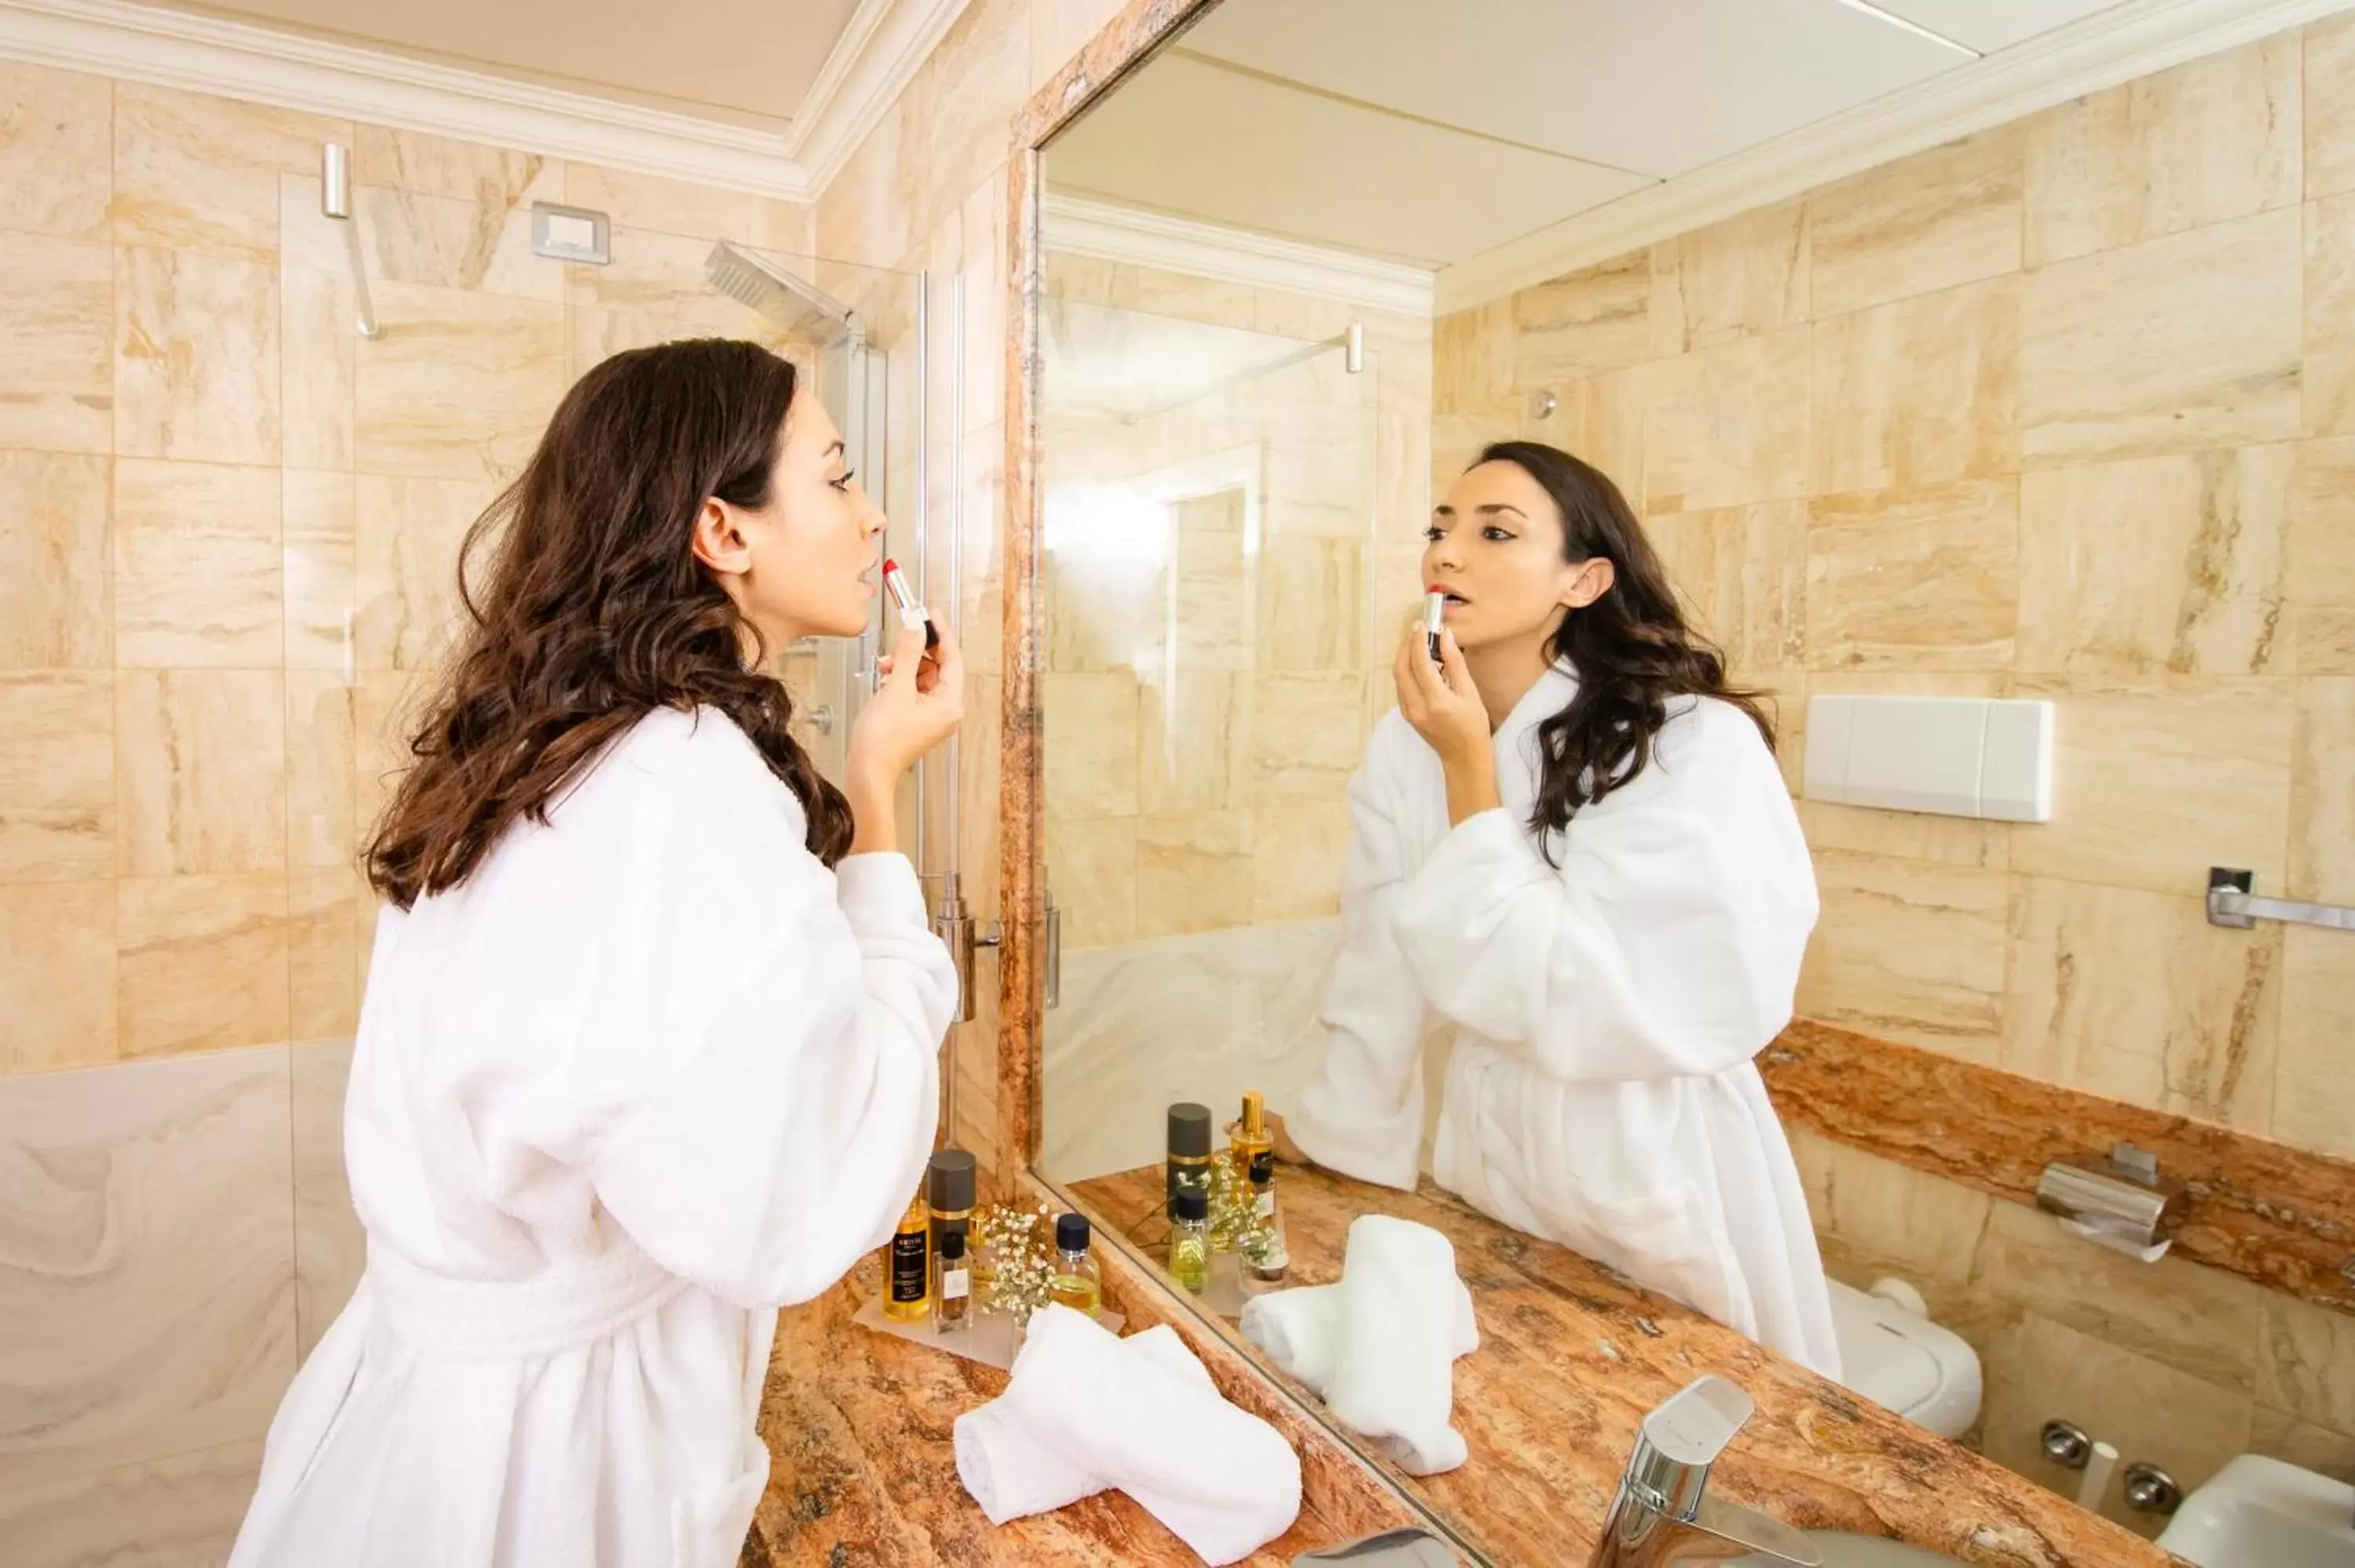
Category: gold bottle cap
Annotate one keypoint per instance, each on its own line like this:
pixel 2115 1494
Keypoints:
pixel 1254 1115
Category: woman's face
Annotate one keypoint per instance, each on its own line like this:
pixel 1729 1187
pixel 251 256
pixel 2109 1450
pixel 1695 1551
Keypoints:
pixel 804 564
pixel 1495 547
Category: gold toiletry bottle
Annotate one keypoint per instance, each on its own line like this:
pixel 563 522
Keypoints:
pixel 1078 1282
pixel 1254 1152
pixel 950 1187
pixel 908 1293
pixel 1189 1241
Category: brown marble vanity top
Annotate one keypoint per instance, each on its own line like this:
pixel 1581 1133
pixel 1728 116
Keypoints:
pixel 1571 1357
pixel 863 1470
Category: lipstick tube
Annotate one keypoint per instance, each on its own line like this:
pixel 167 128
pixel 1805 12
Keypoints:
pixel 1435 618
pixel 911 610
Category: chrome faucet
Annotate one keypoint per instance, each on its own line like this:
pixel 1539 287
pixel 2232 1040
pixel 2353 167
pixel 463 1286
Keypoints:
pixel 1661 1516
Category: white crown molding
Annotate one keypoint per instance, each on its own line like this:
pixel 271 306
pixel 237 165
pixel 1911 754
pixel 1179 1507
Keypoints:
pixel 1076 227
pixel 2100 51
pixel 877 55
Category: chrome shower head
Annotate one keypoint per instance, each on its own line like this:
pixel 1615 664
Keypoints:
pixel 758 285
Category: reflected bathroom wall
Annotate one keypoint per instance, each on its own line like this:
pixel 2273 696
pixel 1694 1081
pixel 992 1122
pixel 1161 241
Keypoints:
pixel 1211 544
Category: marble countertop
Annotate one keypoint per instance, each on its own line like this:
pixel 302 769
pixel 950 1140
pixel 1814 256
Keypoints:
pixel 863 1471
pixel 1572 1356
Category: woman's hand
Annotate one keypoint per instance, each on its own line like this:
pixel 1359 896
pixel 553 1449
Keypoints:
pixel 919 705
pixel 1445 709
pixel 1286 1150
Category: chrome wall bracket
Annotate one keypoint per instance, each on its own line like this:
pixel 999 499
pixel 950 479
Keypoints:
pixel 2232 902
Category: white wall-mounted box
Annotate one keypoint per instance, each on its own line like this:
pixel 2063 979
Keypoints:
pixel 1956 757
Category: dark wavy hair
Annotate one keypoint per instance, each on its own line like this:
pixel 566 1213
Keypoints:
pixel 595 611
pixel 1631 649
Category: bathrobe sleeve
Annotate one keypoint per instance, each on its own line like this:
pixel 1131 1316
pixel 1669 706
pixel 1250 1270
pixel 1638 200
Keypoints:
pixel 1668 941
pixel 1362 1113
pixel 785 1020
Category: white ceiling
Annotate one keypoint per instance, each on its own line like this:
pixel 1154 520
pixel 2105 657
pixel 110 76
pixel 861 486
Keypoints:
pixel 1435 132
pixel 734 61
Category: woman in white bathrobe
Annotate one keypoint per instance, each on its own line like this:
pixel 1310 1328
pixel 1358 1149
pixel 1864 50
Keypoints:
pixel 1573 848
pixel 648 1042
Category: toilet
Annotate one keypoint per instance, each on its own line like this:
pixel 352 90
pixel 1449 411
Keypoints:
pixel 1891 1353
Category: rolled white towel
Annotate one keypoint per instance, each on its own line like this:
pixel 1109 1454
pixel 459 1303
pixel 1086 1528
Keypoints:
pixel 1300 1329
pixel 1393 1376
pixel 1085 1411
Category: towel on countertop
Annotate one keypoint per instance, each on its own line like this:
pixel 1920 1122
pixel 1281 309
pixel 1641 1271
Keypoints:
pixel 1380 1347
pixel 1085 1411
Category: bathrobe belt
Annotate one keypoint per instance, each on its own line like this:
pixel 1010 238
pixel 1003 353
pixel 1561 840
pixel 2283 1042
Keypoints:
pixel 564 1306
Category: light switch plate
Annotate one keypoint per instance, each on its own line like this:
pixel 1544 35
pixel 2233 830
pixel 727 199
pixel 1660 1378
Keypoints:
pixel 571 234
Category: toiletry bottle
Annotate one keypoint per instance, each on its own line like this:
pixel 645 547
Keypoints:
pixel 1189 1241
pixel 949 1185
pixel 1078 1283
pixel 908 1298
pixel 1263 1244
pixel 1190 1153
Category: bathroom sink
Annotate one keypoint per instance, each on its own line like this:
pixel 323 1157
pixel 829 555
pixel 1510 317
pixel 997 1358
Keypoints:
pixel 1842 1550
pixel 2262 1513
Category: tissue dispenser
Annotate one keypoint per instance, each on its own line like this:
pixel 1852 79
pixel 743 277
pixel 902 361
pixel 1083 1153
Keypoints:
pixel 2119 1195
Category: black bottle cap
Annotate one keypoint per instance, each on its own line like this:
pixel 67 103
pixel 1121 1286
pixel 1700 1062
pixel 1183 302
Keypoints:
pixel 1189 1129
pixel 1193 1203
pixel 951 1244
pixel 949 1181
pixel 1072 1233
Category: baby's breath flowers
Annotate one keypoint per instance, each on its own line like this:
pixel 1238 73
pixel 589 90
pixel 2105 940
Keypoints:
pixel 1020 1258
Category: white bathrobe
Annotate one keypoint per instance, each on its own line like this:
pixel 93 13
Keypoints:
pixel 650 1073
pixel 1600 1090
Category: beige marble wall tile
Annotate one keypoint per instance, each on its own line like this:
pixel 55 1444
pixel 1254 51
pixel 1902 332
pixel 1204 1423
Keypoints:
pixel 2329 107
pixel 318 360
pixel 2081 1008
pixel 2204 143
pixel 594 335
pixel 2322 792
pixel 2319 573
pixel 1153 291
pixel 2306 1362
pixel 1092 869
pixel 2155 780
pixel 460 386
pixel 1062 29
pixel 1091 744
pixel 651 201
pixel 199 566
pixel 1198 736
pixel 1193 872
pixel 57 776
pixel 320 756
pixel 1599 318
pixel 980 286
pixel 2039 1367
pixel 1306 317
pixel 1909 952
pixel 200 758
pixel 1599 419
pixel 1921 391
pixel 2170 346
pixel 407 535
pixel 195 356
pixel 322 969
pixel 386 706
pixel 57 384
pixel 196 173
pixel 1914 580
pixel 661 275
pixel 465 171
pixel 1297 850
pixel 56 151
pixel 1911 1222
pixel 1949 216
pixel 1741 572
pixel 153 1282
pixel 56 595
pixel 1727 426
pixel 202 963
pixel 2314 1085
pixel 2278 1435
pixel 56 974
pixel 972 86
pixel 330 1247
pixel 2329 331
pixel 1746 275
pixel 1472 357
pixel 1311 604
pixel 319 554
pixel 1307 735
pixel 2156 564
pixel 183 1510
pixel 436 242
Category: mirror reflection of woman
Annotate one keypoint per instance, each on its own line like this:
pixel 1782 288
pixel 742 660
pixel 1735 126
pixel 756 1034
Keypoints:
pixel 1571 846
pixel 648 1045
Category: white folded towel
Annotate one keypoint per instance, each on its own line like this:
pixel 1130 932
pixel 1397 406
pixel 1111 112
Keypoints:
pixel 1380 1346
pixel 1085 1411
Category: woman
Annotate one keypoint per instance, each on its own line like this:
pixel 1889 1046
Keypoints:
pixel 648 1048
pixel 1571 844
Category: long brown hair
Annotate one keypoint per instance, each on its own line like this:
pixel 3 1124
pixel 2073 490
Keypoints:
pixel 1631 649
pixel 595 611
